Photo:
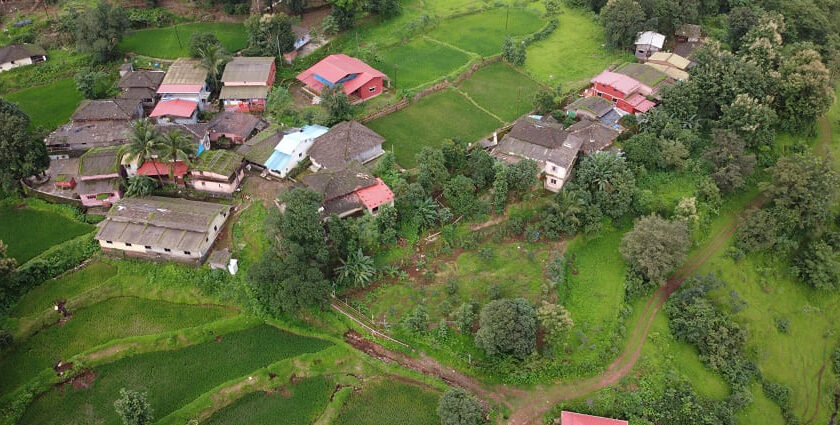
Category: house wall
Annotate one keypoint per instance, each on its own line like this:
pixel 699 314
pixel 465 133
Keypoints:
pixel 14 64
pixel 201 97
pixel 626 107
pixel 216 183
pixel 89 199
pixel 161 253
pixel 164 120
pixel 643 51
pixel 370 154
pixel 297 155
pixel 609 91
pixel 371 89
pixel 244 105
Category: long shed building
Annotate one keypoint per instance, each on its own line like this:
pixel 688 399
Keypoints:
pixel 162 228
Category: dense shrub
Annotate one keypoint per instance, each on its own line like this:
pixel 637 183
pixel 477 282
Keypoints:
pixel 507 327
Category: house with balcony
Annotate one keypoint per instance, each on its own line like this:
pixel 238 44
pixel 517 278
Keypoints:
pixel 217 171
pixel 99 177
pixel 186 80
pixel 247 81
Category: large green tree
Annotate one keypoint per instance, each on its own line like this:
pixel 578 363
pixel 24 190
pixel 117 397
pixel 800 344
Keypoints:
pixel 622 19
pixel 458 407
pixel 610 181
pixel 99 29
pixel 507 326
pixel 337 104
pixel 459 193
pixel 803 189
pixel 269 35
pixel 806 89
pixel 730 164
pixel 21 155
pixel 655 247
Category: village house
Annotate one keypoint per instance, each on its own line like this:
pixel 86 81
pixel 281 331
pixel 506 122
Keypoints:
pixel 543 140
pixel 95 123
pixel 344 142
pixel 247 81
pixel 186 79
pixel 688 33
pixel 648 43
pixel 594 108
pixel 672 64
pixel 16 55
pixel 175 111
pixel 259 148
pixel 162 170
pixel 141 85
pixel 236 127
pixel 217 171
pixel 196 132
pixel 99 177
pixel 360 80
pixel 162 228
pixel 572 418
pixel 349 190
pixel 292 149
pixel 628 94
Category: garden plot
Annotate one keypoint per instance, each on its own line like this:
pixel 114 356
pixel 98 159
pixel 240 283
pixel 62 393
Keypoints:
pixel 501 90
pixel 390 402
pixel 173 42
pixel 484 32
pixel 431 121
pixel 49 105
pixel 95 325
pixel 28 229
pixel 573 53
pixel 170 378
pixel 419 62
pixel 298 404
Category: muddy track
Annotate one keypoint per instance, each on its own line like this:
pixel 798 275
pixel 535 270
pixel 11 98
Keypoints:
pixel 530 406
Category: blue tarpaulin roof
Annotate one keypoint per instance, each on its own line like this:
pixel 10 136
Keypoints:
pixel 277 161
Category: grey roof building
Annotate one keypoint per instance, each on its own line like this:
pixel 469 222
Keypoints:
pixel 108 110
pixel 349 190
pixel 346 141
pixel 78 137
pixel 15 55
pixel 162 228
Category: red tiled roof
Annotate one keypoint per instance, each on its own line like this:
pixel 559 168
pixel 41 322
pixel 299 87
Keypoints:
pixel 335 67
pixel 640 102
pixel 174 108
pixel 155 168
pixel 376 195
pixel 572 418
pixel 621 82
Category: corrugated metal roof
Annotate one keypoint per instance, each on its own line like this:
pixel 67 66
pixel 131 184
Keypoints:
pixel 243 92
pixel 248 69
pixel 185 71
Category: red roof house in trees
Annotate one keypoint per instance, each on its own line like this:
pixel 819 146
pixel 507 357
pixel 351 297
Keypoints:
pixel 360 80
pixel 625 92
pixel 572 418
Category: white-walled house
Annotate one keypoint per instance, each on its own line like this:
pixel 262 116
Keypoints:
pixel 16 55
pixel 292 149
pixel 186 79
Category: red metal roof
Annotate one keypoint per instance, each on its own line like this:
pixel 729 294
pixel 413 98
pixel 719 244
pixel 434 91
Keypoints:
pixel 572 418
pixel 641 103
pixel 621 82
pixel 335 67
pixel 376 195
pixel 155 168
pixel 179 88
pixel 174 108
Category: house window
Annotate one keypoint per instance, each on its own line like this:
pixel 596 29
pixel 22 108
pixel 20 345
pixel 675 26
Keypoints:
pixel 215 227
pixel 300 154
pixel 187 253
pixel 553 181
pixel 127 244
pixel 203 183
pixel 147 247
pixel 167 250
pixel 553 168
pixel 372 89
pixel 109 242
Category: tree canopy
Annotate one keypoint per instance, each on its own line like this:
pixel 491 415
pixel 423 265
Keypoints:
pixel 507 326
pixel 458 407
pixel 655 246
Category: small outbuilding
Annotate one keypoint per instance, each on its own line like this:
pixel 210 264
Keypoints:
pixel 234 126
pixel 648 43
pixel 217 171
pixel 17 55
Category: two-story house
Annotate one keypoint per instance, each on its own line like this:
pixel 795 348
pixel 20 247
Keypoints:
pixel 185 79
pixel 247 81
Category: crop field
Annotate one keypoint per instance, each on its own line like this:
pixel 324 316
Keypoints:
pixel 517 269
pixel 420 61
pixel 431 121
pixel 390 402
pixel 171 378
pixel 484 32
pixel 50 105
pixel 42 297
pixel 29 231
pixel 573 53
pixel 173 42
pixel 501 90
pixel 95 325
pixel 298 404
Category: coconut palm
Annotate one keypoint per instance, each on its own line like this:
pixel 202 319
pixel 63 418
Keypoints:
pixel 143 142
pixel 213 58
pixel 176 146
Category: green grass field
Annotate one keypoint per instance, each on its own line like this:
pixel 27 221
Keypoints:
pixel 29 231
pixel 484 32
pixel 49 105
pixel 41 298
pixel 429 122
pixel 163 42
pixel 420 61
pixel 573 53
pixel 501 90
pixel 95 325
pixel 298 404
pixel 171 378
pixel 390 402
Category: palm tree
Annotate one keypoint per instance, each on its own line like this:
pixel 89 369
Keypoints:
pixel 567 208
pixel 140 186
pixel 358 269
pixel 213 57
pixel 143 141
pixel 176 146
